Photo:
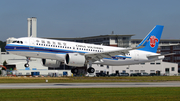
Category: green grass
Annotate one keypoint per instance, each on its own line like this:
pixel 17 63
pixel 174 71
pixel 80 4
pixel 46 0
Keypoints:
pixel 92 94
pixel 87 79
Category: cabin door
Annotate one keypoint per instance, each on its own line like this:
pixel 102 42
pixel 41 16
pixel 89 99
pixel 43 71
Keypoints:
pixel 31 44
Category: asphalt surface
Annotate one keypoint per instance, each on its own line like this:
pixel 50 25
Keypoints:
pixel 87 85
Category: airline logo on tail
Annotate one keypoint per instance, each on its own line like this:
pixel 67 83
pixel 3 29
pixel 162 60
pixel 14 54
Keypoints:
pixel 153 41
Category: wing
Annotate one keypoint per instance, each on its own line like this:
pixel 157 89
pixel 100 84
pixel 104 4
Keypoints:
pixel 109 54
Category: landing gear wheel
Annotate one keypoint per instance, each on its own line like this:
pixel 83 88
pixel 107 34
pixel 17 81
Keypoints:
pixel 74 70
pixel 91 70
pixel 26 65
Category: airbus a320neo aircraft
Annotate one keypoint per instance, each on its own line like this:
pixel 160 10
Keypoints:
pixel 53 52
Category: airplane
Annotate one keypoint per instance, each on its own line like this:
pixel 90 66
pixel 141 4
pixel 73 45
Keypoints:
pixel 54 52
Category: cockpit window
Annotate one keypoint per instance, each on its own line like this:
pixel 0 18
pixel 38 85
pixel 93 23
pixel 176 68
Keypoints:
pixel 20 42
pixel 14 42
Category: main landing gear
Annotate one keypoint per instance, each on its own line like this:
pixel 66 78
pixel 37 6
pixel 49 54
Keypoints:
pixel 90 69
pixel 27 64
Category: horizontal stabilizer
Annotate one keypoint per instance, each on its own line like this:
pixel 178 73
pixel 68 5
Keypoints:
pixel 151 56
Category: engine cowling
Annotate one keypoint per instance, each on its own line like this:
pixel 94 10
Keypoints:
pixel 51 63
pixel 75 59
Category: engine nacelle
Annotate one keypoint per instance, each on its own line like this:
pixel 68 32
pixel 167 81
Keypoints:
pixel 51 63
pixel 75 59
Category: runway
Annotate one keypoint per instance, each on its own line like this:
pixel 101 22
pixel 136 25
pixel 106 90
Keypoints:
pixel 87 85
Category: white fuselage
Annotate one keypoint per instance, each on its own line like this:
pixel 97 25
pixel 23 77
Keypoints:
pixel 57 49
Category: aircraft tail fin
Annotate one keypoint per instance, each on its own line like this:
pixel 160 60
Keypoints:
pixel 151 41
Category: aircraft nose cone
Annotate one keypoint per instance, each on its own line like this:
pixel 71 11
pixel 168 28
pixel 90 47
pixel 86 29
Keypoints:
pixel 8 47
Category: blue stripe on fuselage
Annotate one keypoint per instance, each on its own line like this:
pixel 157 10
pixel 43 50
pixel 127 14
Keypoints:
pixel 25 48
pixel 11 47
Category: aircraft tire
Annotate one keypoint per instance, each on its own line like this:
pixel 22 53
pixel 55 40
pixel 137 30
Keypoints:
pixel 91 70
pixel 74 70
pixel 26 65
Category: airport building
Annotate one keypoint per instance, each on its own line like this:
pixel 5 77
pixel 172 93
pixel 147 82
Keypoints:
pixel 32 27
pixel 169 66
pixel 154 67
pixel 108 40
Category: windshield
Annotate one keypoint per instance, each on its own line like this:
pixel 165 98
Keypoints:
pixel 20 42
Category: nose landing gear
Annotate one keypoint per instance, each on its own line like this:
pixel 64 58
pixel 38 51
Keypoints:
pixel 27 64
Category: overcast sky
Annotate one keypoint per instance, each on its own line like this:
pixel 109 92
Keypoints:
pixel 83 18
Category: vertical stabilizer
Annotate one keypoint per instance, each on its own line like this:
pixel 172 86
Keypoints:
pixel 151 41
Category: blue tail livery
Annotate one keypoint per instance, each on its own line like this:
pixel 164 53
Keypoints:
pixel 151 41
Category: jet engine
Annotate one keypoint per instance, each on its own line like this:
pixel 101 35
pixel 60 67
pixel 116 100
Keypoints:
pixel 51 63
pixel 75 59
